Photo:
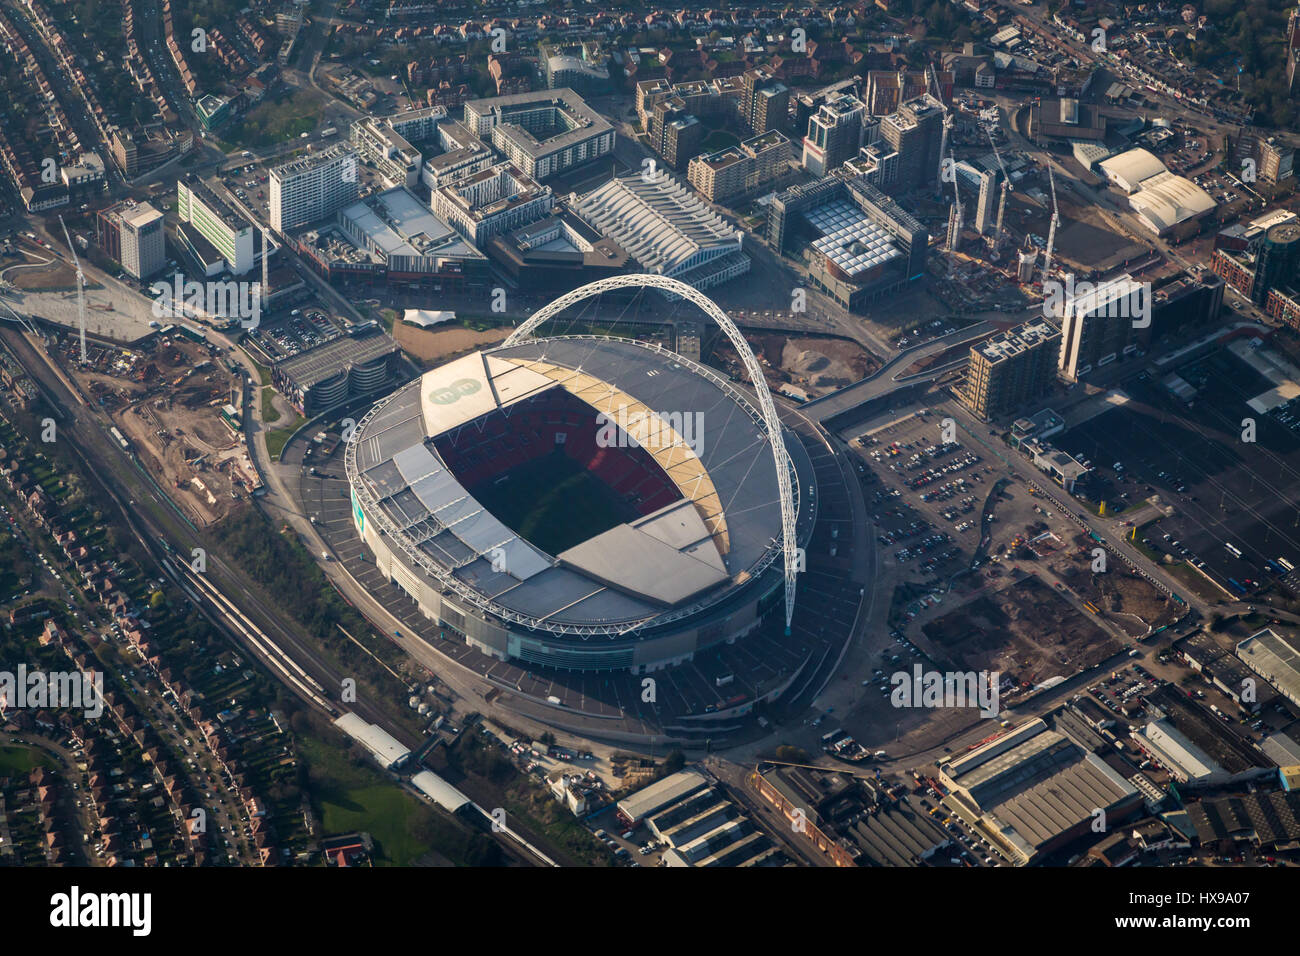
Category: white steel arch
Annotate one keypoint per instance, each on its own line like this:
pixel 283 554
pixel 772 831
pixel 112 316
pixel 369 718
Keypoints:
pixel 766 405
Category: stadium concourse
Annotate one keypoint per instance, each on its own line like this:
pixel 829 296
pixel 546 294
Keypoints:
pixel 652 553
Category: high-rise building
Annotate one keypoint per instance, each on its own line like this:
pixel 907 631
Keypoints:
pixel 212 218
pixel 915 132
pixel 765 102
pixel 132 234
pixel 1101 323
pixel 886 90
pixel 312 187
pixel 1011 369
pixel 986 207
pixel 678 134
pixel 834 134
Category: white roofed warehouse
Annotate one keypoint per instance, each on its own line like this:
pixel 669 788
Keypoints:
pixel 667 229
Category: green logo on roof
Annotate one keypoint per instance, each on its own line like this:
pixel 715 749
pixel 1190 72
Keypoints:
pixel 454 392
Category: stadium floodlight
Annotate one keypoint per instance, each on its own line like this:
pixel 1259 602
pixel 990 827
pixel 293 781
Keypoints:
pixel 784 466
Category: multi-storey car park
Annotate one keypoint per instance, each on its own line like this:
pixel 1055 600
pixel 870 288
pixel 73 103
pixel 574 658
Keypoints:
pixel 673 501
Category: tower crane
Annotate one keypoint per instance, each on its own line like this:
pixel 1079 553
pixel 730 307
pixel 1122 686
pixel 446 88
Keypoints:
pixel 955 220
pixel 81 290
pixel 932 78
pixel 1002 200
pixel 1051 229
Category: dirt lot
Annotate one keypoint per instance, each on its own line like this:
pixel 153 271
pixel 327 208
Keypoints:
pixel 1025 630
pixel 168 405
pixel 1129 601
pixel 817 364
pixel 437 346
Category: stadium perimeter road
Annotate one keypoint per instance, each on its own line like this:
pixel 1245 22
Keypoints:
pixel 483 682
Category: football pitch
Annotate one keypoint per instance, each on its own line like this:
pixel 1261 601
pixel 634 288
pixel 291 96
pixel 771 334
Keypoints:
pixel 553 502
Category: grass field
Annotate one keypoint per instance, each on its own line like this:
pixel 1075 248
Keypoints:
pixel 573 506
pixel 349 798
pixel 23 760
pixel 279 437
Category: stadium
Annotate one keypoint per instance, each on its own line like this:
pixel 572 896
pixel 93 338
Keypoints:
pixel 584 502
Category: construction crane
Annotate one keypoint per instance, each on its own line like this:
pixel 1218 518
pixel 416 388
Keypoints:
pixel 932 78
pixel 81 290
pixel 1051 229
pixel 955 221
pixel 1006 188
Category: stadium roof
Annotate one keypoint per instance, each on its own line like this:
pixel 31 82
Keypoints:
pixel 723 527
pixel 661 223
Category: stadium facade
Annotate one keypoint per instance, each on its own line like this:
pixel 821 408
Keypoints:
pixel 680 460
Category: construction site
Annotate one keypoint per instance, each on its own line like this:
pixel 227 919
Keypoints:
pixel 174 403
pixel 801 367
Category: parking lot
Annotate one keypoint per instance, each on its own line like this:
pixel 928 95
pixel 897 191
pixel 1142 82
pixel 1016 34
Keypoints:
pixel 300 331
pixel 1235 502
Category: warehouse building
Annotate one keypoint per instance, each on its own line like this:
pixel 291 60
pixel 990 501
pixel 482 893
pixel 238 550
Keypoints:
pixel 632 810
pixel 1275 658
pixel 388 752
pixel 1032 790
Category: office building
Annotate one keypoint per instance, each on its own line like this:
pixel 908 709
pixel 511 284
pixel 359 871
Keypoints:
pixel 1011 369
pixel 211 217
pixel 1100 324
pixel 543 132
pixel 312 187
pixel 864 245
pixel 132 234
